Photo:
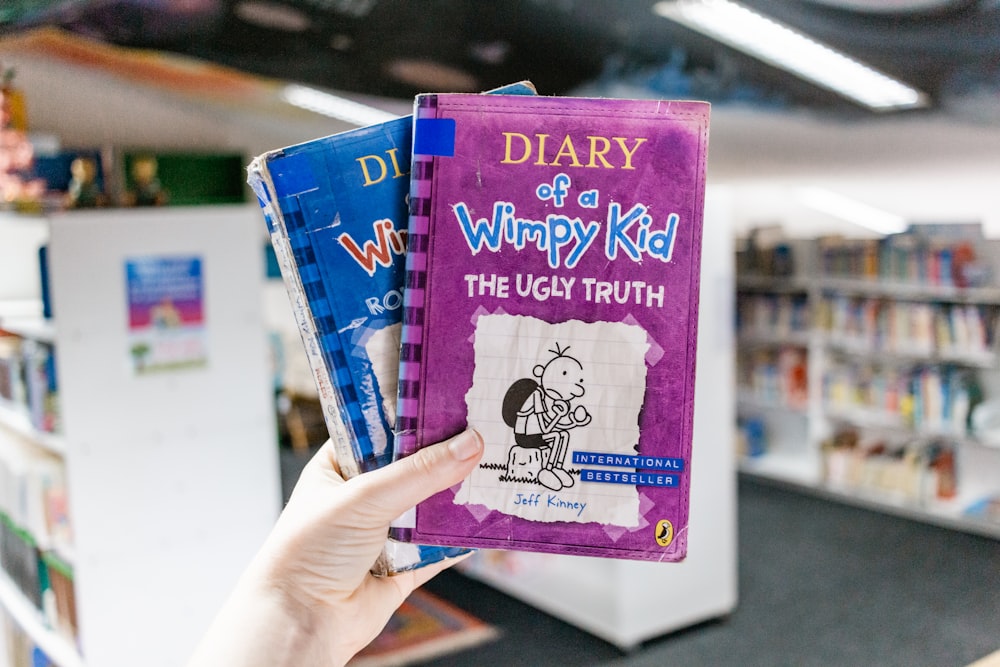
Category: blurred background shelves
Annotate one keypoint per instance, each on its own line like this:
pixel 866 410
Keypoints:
pixel 868 370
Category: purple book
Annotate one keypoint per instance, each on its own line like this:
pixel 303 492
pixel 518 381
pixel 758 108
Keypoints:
pixel 551 303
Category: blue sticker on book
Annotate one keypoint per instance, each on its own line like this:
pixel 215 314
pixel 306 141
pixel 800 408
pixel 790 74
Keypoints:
pixel 632 478
pixel 292 175
pixel 628 461
pixel 434 136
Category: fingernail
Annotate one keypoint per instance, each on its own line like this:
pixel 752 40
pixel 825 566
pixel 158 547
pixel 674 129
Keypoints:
pixel 465 445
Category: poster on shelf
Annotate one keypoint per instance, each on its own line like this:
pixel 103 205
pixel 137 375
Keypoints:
pixel 165 313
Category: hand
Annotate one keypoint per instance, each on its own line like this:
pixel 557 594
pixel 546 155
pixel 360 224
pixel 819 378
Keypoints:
pixel 308 597
pixel 580 416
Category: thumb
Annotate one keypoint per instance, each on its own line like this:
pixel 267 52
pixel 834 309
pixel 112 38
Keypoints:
pixel 397 487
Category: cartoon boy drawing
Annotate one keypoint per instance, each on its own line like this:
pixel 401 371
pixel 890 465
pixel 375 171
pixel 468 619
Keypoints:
pixel 541 412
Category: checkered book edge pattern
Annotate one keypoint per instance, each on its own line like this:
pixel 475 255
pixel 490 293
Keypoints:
pixel 411 349
pixel 326 331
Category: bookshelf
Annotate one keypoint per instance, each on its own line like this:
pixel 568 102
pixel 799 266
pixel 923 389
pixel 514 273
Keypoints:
pixel 30 620
pixel 899 353
pixel 171 474
pixel 16 421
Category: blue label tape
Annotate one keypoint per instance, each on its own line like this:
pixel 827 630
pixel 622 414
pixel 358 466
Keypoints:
pixel 434 136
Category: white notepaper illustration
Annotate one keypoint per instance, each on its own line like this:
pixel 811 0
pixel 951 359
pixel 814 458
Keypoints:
pixel 542 391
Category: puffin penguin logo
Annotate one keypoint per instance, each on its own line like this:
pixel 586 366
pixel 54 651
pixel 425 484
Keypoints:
pixel 664 532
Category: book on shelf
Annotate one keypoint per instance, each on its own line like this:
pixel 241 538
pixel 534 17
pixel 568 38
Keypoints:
pixel 58 586
pixel 766 251
pixel 928 399
pixel 336 213
pixel 41 385
pixel 932 255
pixel 876 325
pixel 28 383
pixel 33 492
pixel 44 281
pixel 12 385
pixel 775 317
pixel 776 376
pixel 751 437
pixel 19 560
pixel 34 526
pixel 551 303
pixel 986 508
pixel 911 470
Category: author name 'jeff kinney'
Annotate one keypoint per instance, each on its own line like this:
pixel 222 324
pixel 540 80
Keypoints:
pixel 549 500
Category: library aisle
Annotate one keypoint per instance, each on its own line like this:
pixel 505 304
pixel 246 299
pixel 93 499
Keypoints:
pixel 845 497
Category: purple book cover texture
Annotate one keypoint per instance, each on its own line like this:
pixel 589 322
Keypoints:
pixel 551 303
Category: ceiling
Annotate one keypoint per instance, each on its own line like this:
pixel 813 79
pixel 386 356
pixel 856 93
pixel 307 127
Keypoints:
pixel 950 49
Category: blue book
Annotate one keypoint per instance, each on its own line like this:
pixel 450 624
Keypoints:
pixel 336 211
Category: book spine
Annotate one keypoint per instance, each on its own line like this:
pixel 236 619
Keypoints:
pixel 422 167
pixel 343 413
pixel 301 307
pixel 694 299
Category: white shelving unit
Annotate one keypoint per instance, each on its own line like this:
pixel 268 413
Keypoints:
pixel 172 476
pixel 35 328
pixel 628 602
pixel 795 432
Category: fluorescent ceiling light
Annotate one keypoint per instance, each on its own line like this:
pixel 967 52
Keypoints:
pixel 781 46
pixel 270 15
pixel 851 210
pixel 334 106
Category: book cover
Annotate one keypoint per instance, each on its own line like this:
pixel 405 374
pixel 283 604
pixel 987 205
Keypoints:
pixel 551 303
pixel 336 213
pixel 333 211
